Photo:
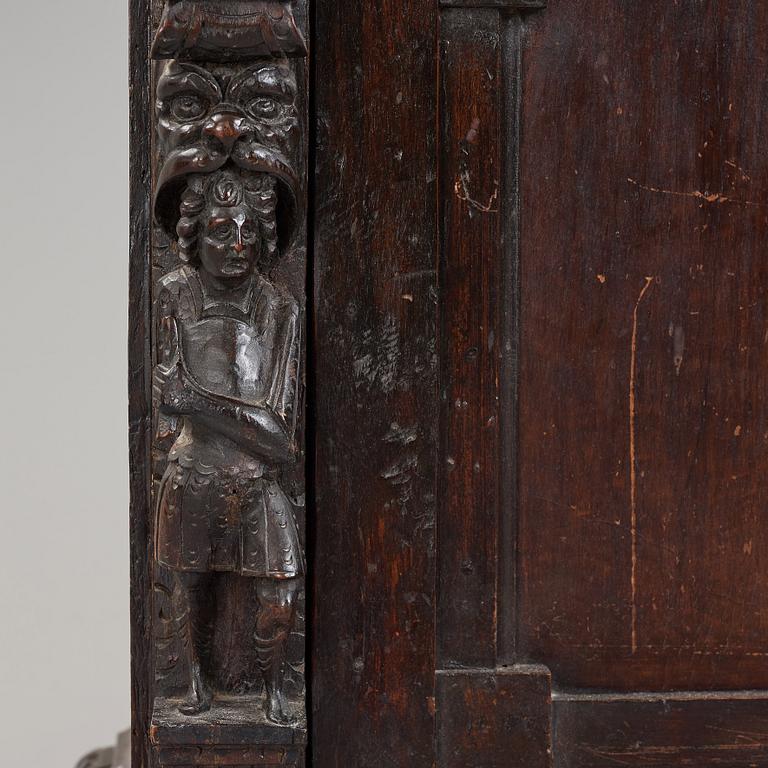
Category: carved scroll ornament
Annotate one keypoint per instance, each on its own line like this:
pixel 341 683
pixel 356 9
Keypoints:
pixel 227 381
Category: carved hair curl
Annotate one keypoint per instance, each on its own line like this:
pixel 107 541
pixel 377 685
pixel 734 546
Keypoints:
pixel 226 189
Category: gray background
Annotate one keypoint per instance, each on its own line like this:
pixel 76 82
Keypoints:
pixel 64 643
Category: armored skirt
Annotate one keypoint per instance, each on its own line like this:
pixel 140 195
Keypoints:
pixel 213 520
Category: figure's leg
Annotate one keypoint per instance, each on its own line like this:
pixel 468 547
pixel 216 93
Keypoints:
pixel 195 611
pixel 277 601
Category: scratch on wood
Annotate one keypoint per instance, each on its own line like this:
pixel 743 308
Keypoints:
pixel 744 175
pixel 402 435
pixel 473 131
pixel 462 183
pixel 707 197
pixel 633 458
pixel 461 188
pixel 678 342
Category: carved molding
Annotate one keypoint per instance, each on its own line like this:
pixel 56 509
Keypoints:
pixel 228 30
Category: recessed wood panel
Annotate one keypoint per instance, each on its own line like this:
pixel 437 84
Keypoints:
pixel 644 358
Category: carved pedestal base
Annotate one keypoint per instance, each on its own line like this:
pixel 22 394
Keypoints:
pixel 234 733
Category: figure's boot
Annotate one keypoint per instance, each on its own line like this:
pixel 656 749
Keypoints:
pixel 196 629
pixel 200 695
pixel 271 656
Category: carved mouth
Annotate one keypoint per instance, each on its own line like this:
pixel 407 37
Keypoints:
pixel 235 266
pixel 207 158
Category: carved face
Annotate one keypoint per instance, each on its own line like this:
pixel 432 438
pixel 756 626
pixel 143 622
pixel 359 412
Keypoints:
pixel 205 123
pixel 257 108
pixel 230 243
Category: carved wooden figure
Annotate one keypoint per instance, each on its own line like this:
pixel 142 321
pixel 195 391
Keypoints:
pixel 537 385
pixel 227 299
pixel 228 363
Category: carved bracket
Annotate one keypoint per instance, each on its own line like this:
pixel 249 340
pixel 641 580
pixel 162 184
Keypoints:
pixel 228 30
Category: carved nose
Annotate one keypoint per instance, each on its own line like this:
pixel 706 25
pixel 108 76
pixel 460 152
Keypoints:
pixel 226 128
pixel 239 247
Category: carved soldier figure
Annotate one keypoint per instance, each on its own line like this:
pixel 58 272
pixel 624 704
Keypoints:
pixel 228 351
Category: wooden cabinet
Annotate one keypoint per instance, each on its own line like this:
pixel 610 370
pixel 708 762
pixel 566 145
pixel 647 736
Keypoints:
pixel 537 353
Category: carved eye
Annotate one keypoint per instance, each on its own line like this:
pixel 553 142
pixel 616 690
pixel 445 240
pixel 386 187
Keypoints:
pixel 188 106
pixel 222 232
pixel 265 107
pixel 248 233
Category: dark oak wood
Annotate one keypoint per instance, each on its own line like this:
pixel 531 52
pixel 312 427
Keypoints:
pixel 217 313
pixel 699 730
pixel 472 334
pixel 537 428
pixel 376 397
pixel 642 418
pixel 507 5
pixel 261 757
pixel 232 721
pixel 494 718
pixel 211 30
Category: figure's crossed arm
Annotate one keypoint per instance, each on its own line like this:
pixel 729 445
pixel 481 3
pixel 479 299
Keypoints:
pixel 257 430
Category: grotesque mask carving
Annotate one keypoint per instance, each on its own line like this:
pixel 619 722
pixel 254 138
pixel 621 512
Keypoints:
pixel 206 121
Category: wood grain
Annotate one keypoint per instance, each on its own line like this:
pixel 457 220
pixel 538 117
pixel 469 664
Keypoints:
pixel 472 337
pixel 509 5
pixel 494 718
pixel 643 358
pixel 701 731
pixel 376 398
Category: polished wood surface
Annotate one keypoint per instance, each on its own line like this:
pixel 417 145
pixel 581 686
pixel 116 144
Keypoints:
pixel 473 330
pixel 643 356
pixel 537 360
pixel 375 394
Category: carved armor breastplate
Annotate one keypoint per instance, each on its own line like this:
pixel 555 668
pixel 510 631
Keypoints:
pixel 245 352
pixel 221 349
pixel 227 357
